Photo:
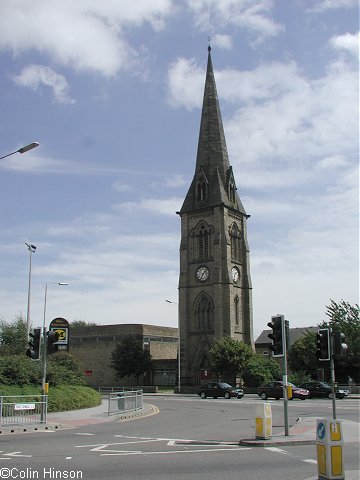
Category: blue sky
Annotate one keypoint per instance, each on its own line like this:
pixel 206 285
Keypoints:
pixel 112 91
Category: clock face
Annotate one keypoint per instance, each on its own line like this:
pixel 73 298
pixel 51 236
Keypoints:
pixel 202 274
pixel 235 274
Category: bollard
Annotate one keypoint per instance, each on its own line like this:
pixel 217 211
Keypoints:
pixel 329 444
pixel 263 421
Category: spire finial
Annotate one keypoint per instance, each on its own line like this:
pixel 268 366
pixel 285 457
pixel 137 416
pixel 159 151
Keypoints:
pixel 209 47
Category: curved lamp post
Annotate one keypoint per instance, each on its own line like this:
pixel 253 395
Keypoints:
pixel 179 361
pixel 25 149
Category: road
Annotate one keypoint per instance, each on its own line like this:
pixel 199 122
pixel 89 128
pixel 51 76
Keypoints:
pixel 186 438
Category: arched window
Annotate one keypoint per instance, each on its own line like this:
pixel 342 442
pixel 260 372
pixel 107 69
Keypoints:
pixel 235 239
pixel 201 191
pixel 200 242
pixel 203 239
pixel 203 313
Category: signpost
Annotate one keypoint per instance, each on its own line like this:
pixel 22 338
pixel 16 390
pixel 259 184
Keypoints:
pixel 61 327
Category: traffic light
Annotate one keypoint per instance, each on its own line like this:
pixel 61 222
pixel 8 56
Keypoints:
pixel 323 344
pixel 339 343
pixel 33 350
pixel 52 338
pixel 277 335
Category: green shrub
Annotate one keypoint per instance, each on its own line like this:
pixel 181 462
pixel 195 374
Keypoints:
pixel 62 398
pixel 64 368
pixel 297 378
pixel 259 370
pixel 19 370
pixel 72 397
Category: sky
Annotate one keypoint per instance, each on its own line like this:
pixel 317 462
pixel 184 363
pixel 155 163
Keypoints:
pixel 112 91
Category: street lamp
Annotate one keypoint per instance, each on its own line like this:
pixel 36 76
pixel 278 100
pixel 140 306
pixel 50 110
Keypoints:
pixel 22 149
pixel 179 339
pixel 32 249
pixel 43 382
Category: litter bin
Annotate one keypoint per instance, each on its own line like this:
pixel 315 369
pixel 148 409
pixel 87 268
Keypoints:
pixel 121 401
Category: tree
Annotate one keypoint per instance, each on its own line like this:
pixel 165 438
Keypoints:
pixel 228 357
pixel 82 323
pixel 13 340
pixel 259 369
pixel 302 355
pixel 344 318
pixel 129 358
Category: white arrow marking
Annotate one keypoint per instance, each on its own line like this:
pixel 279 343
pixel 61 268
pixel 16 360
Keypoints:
pixel 17 454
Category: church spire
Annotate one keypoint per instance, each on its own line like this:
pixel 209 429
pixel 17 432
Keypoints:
pixel 212 151
pixel 213 182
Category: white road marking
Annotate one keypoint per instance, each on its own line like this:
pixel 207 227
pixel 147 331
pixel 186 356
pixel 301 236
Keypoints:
pixel 17 454
pixel 178 451
pixel 89 434
pixel 309 460
pixel 277 450
pixel 110 449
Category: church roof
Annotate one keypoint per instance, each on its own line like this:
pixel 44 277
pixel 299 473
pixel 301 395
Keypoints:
pixel 212 162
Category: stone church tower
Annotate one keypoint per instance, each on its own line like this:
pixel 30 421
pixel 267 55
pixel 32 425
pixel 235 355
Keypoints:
pixel 215 292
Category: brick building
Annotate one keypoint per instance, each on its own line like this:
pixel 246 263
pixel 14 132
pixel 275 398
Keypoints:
pixel 93 346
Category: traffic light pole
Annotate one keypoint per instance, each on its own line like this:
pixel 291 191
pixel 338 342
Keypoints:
pixel 43 381
pixel 285 381
pixel 332 373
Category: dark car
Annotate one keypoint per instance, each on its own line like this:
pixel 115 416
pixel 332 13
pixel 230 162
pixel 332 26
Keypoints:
pixel 321 389
pixel 275 390
pixel 219 389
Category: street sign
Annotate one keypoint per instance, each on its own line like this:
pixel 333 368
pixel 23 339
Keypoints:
pixel 321 431
pixel 24 406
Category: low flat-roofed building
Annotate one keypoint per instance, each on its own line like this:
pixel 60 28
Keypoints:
pixel 93 346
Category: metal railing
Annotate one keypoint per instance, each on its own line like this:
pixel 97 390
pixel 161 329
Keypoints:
pixel 23 409
pixel 125 400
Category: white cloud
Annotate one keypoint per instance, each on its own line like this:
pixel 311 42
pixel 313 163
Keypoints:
pixel 156 206
pixel 34 76
pixel 222 41
pixel 32 163
pixel 347 42
pixel 185 84
pixel 324 5
pixel 252 16
pixel 302 121
pixel 87 36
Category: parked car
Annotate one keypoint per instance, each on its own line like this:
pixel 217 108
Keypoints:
pixel 219 389
pixel 321 389
pixel 275 390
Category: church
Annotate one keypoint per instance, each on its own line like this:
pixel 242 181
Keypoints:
pixel 215 291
